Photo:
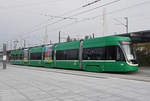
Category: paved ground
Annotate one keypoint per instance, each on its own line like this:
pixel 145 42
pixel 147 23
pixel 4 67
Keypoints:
pixel 143 74
pixel 19 84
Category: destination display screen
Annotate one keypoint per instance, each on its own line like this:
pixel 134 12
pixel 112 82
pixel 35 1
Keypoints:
pixel 125 42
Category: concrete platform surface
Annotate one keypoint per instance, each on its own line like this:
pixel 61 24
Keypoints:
pixel 143 74
pixel 18 84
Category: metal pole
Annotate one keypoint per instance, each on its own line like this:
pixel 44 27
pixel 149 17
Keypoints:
pixel 59 36
pixel 46 35
pixel 4 55
pixel 93 35
pixel 50 42
pixel 81 51
pixel 11 45
pixel 127 24
pixel 24 43
pixel 104 22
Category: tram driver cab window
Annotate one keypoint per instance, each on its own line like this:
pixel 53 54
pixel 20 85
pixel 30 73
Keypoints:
pixel 114 53
pixel 111 53
pixel 120 55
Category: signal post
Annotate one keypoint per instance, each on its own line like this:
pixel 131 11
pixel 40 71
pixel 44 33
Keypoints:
pixel 4 55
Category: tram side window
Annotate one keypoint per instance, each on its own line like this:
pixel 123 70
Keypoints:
pixel 120 55
pixel 72 54
pixel 52 55
pixel 60 55
pixel 12 57
pixel 67 54
pixel 114 53
pixel 17 56
pixel 36 56
pixel 111 52
pixel 21 56
pixel 97 53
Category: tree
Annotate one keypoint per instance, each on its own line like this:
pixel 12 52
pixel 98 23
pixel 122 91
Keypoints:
pixel 90 37
pixel 74 39
pixel 143 53
pixel 86 37
pixel 68 39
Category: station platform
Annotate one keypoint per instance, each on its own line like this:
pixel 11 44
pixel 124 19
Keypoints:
pixel 23 83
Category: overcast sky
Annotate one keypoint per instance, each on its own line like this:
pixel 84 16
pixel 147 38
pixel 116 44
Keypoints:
pixel 26 19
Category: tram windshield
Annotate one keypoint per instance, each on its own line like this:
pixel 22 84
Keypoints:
pixel 129 52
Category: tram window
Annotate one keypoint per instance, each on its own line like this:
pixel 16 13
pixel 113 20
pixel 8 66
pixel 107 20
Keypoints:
pixel 111 52
pixel 36 56
pixel 60 55
pixel 22 56
pixel 67 54
pixel 120 55
pixel 12 57
pixel 52 55
pixel 72 54
pixel 97 53
pixel 17 56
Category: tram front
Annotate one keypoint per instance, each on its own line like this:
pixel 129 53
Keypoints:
pixel 130 56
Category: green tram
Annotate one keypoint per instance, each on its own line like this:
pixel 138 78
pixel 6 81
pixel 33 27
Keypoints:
pixel 104 54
